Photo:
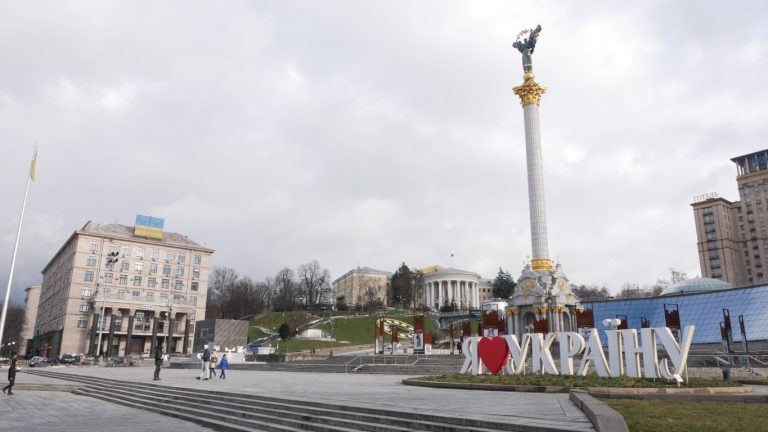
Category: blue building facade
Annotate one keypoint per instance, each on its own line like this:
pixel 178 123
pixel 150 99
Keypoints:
pixel 702 309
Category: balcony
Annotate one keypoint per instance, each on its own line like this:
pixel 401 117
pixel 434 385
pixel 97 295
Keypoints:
pixel 125 298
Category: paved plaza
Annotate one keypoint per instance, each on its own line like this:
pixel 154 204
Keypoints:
pixel 379 391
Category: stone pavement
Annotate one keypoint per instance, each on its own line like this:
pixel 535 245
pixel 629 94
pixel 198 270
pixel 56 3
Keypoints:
pixel 47 411
pixel 380 391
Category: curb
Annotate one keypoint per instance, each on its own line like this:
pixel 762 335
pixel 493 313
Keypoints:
pixel 623 392
pixel 603 417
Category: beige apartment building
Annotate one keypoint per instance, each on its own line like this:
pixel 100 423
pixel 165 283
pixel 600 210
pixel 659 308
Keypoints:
pixel 31 301
pixel 732 236
pixel 154 292
pixel 362 285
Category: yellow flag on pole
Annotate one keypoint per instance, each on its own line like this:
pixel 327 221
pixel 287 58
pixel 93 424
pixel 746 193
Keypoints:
pixel 32 167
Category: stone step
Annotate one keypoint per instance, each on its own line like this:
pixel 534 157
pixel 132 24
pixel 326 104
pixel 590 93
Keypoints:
pixel 207 409
pixel 241 409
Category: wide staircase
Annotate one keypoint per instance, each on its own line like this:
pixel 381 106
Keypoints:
pixel 225 411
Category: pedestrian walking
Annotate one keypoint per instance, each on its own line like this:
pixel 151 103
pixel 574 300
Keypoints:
pixel 212 367
pixel 223 366
pixel 205 357
pixel 11 376
pixel 158 360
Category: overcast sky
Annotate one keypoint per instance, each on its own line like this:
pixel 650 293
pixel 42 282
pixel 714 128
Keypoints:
pixel 372 133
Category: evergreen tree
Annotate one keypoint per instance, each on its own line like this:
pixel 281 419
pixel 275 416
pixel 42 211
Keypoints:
pixel 503 285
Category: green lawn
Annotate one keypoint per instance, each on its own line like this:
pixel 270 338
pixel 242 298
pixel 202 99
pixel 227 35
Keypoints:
pixel 683 416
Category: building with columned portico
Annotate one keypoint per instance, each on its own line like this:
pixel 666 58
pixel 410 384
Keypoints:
pixel 449 286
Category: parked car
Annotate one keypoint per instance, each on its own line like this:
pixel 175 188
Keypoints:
pixel 39 361
pixel 69 358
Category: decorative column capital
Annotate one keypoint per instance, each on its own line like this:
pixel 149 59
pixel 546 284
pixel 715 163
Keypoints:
pixel 542 264
pixel 530 92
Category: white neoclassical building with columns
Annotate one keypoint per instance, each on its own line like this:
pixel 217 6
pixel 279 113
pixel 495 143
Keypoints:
pixel 446 286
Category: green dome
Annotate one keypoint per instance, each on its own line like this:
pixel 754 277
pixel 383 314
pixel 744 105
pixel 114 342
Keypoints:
pixel 697 284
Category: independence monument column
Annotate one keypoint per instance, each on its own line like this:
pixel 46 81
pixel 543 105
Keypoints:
pixel 542 301
pixel 530 93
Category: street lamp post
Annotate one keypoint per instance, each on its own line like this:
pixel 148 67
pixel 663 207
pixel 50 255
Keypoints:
pixel 168 319
pixel 111 260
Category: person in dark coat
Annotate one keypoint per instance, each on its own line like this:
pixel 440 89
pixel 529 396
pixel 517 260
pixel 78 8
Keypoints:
pixel 158 360
pixel 205 357
pixel 11 377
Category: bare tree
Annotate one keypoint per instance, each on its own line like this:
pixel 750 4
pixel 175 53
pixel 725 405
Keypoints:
pixel 286 292
pixel 221 281
pixel 313 280
pixel 14 321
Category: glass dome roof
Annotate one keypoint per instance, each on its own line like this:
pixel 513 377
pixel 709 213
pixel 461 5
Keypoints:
pixel 697 284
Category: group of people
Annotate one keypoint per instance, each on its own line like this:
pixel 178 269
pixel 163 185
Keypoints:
pixel 209 363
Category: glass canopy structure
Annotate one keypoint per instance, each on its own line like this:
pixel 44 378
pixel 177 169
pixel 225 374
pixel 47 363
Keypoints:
pixel 704 309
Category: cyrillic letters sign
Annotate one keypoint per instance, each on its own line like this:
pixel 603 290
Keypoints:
pixel 624 353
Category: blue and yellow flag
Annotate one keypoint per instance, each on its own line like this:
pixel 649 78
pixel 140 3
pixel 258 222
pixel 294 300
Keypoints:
pixel 32 166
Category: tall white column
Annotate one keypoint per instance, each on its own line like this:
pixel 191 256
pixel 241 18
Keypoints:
pixel 440 294
pixel 536 202
pixel 458 293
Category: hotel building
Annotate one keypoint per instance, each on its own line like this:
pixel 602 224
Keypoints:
pixel 732 236
pixel 155 291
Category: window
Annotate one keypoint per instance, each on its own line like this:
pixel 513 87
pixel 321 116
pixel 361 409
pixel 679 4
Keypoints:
pixel 163 297
pixel 711 236
pixel 165 283
pixel 182 257
pixel 193 300
pixel 195 273
pixel 135 295
pixel 193 286
pixel 155 254
pixel 177 298
pixel 151 282
pixel 168 255
pixel 84 306
pixel 151 297
pixel 197 259
pixel 82 322
pixel 91 261
pixel 153 268
pixel 88 276
pixel 140 253
pixel 121 294
pixel 137 281
pixel 125 266
pixel 87 291
pixel 139 266
pixel 177 285
pixel 126 251
pixel 112 248
pixel 94 246
pixel 107 277
pixel 166 270
pixel 138 322
pixel 123 279
pixel 118 320
pixel 179 271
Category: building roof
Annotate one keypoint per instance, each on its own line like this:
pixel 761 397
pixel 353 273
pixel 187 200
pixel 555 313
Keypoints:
pixel 127 232
pixel 696 285
pixel 363 270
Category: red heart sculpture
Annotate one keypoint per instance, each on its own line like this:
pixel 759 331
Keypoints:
pixel 493 352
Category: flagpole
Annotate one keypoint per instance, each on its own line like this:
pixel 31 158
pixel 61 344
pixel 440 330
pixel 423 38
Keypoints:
pixel 13 260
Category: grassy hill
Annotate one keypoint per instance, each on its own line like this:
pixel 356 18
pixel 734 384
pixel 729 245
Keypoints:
pixel 350 328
